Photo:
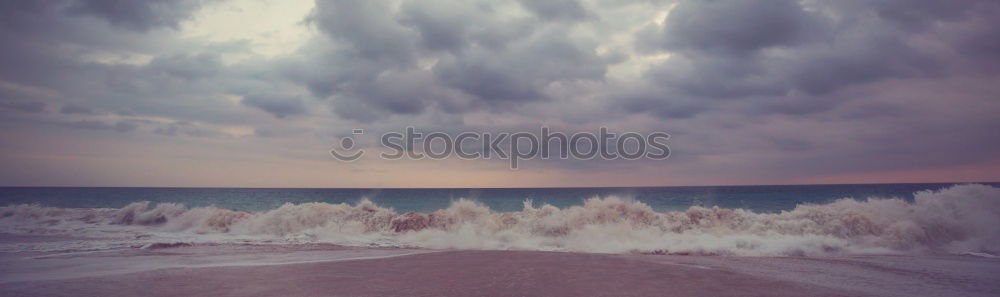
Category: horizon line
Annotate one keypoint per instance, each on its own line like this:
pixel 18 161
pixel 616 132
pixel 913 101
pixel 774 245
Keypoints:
pixel 537 187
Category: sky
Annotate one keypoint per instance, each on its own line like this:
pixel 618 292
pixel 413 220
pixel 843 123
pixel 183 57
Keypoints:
pixel 254 93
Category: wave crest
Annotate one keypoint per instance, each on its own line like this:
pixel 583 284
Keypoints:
pixel 960 219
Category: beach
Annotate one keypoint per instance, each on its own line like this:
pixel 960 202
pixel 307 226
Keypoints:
pixel 329 270
pixel 937 243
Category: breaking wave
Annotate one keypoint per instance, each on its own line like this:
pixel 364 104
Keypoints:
pixel 960 219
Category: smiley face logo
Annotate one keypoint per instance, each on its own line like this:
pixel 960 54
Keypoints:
pixel 346 145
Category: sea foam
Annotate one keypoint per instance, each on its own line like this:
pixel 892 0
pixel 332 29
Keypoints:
pixel 960 219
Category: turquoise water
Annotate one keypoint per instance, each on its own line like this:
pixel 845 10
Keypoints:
pixel 755 198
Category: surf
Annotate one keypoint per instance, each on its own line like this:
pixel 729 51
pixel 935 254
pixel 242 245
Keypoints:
pixel 962 219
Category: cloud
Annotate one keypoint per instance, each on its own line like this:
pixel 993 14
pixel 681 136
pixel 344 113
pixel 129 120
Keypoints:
pixel 32 107
pixel 188 129
pixel 187 66
pixel 759 50
pixel 72 59
pixel 745 86
pixel 367 28
pixel 280 107
pixel 451 56
pixel 441 24
pixel 75 109
pixel 733 27
pixel 556 9
pixel 120 126
pixel 137 15
pixel 520 71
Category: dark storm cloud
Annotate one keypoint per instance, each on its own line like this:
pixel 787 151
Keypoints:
pixel 441 26
pixel 280 107
pixel 721 50
pixel 137 15
pixel 372 66
pixel 32 107
pixel 187 66
pixel 761 49
pixel 908 14
pixel 366 26
pixel 75 109
pixel 556 9
pixel 120 126
pixel 163 90
pixel 63 53
pixel 733 27
pixel 403 93
pixel 817 82
pixel 46 45
pixel 521 70
pixel 661 104
pixel 381 58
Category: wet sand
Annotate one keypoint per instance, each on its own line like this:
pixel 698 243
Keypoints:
pixel 339 271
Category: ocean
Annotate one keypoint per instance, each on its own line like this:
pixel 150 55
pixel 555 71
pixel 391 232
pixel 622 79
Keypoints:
pixel 764 199
pixel 713 220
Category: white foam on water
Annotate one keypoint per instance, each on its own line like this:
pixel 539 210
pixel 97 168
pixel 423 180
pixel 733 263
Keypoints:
pixel 959 219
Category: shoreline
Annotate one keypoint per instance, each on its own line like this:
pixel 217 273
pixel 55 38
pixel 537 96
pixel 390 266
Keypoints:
pixel 329 270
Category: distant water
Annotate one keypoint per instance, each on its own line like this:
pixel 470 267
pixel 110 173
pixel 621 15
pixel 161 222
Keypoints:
pixel 761 199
